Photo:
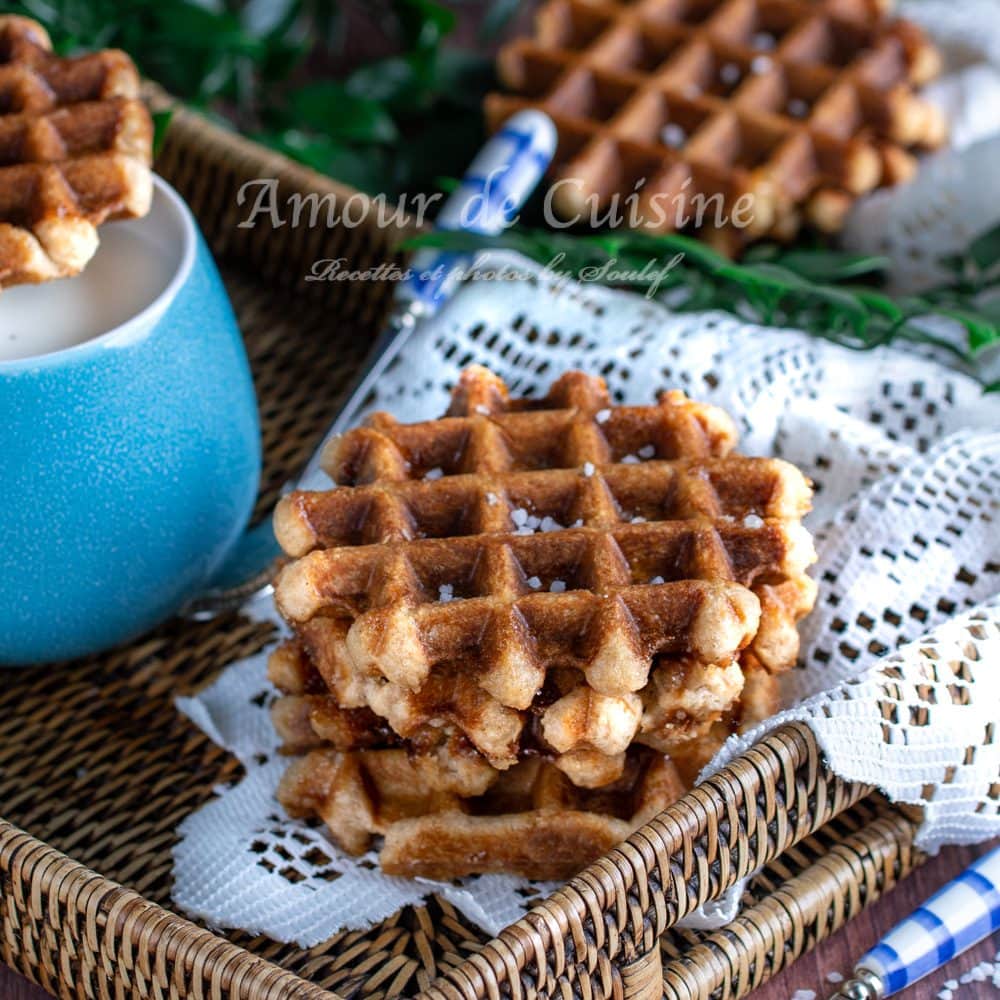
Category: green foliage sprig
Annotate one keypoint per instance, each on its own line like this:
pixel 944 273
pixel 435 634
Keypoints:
pixel 827 293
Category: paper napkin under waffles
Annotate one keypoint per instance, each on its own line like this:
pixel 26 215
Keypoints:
pixel 906 461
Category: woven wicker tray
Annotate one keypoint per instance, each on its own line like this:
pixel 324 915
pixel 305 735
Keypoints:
pixel 97 768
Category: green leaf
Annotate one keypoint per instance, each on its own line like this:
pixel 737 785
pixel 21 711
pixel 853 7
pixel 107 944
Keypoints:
pixel 879 304
pixel 328 108
pixel 764 275
pixel 981 331
pixel 161 122
pixel 985 249
pixel 831 265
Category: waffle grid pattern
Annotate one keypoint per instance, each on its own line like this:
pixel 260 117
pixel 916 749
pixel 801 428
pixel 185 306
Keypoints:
pixel 801 104
pixel 75 150
pixel 559 577
pixel 424 588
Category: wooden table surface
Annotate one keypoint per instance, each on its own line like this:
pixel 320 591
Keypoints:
pixel 809 972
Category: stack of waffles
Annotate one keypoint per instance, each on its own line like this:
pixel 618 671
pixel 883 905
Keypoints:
pixel 75 150
pixel 520 630
pixel 738 119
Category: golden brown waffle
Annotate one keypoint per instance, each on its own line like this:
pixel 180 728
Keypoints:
pixel 759 700
pixel 801 104
pixel 560 535
pixel 445 821
pixel 511 574
pixel 494 610
pixel 584 733
pixel 445 812
pixel 75 150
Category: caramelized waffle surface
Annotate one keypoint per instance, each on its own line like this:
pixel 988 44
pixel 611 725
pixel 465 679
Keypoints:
pixel 445 812
pixel 803 105
pixel 585 734
pixel 445 821
pixel 75 151
pixel 514 571
pixel 559 587
pixel 759 700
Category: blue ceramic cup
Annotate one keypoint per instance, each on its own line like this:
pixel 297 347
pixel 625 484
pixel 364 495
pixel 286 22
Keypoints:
pixel 129 462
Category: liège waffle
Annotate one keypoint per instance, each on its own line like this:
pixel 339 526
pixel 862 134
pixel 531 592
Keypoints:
pixel 571 536
pixel 439 822
pixel 445 812
pixel 75 150
pixel 583 732
pixel 523 620
pixel 803 105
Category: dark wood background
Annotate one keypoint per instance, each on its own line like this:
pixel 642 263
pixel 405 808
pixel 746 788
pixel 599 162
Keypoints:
pixel 837 954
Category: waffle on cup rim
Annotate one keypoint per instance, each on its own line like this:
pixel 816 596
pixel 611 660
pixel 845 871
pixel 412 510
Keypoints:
pixel 75 152
pixel 783 112
pixel 553 610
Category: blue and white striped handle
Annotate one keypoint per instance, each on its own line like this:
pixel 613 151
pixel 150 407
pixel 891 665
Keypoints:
pixel 496 185
pixel 964 912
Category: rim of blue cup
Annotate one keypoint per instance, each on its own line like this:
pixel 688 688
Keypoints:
pixel 144 320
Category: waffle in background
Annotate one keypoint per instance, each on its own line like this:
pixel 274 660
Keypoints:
pixel 803 104
pixel 552 608
pixel 75 151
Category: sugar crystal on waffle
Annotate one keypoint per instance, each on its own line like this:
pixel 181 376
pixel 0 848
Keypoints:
pixel 582 587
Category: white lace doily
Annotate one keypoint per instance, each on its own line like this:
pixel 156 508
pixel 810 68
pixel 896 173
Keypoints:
pixel 905 455
pixel 906 459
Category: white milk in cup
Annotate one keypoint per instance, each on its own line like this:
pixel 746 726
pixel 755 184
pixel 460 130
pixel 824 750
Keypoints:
pixel 128 272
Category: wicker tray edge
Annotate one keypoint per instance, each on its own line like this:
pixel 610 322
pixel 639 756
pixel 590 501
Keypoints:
pixel 69 929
